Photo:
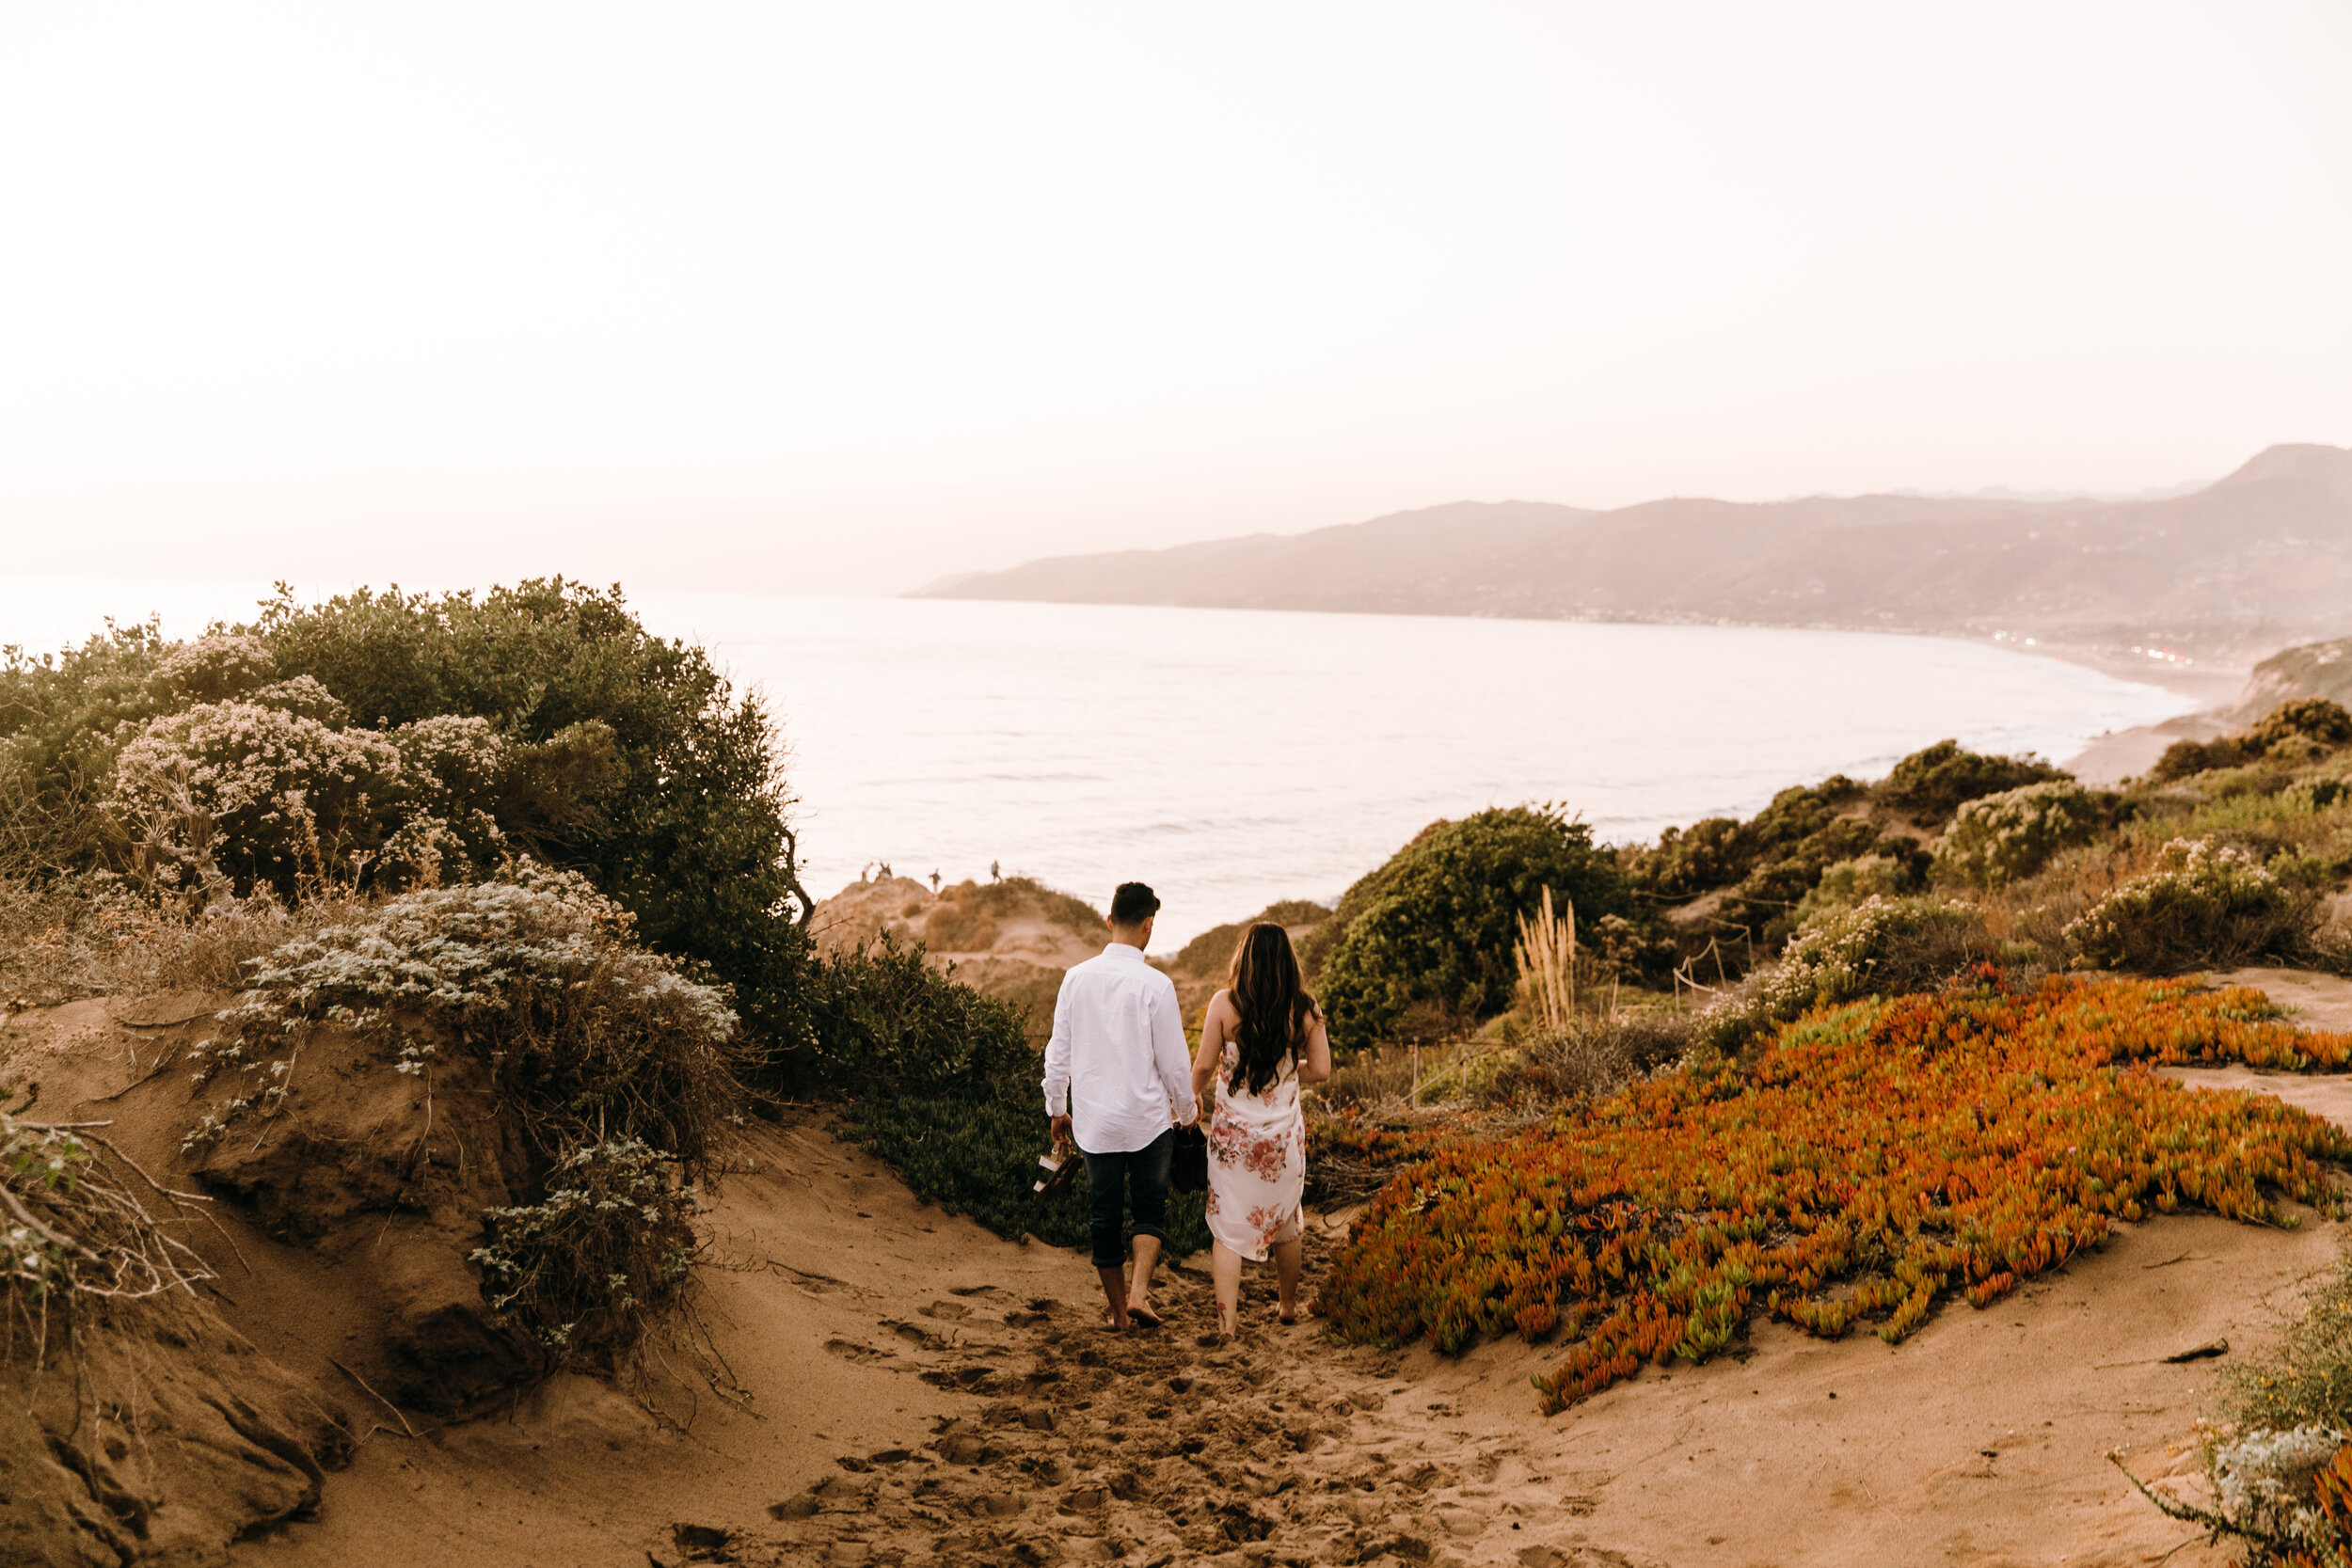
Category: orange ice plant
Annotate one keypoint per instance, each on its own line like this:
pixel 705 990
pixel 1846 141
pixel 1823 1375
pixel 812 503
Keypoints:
pixel 1875 1159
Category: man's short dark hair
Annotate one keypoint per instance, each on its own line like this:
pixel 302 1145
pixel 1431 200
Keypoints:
pixel 1134 904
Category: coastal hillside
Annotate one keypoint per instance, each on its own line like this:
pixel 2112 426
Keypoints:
pixel 2226 573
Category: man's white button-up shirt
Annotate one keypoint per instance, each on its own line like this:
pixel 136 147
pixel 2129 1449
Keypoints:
pixel 1117 1053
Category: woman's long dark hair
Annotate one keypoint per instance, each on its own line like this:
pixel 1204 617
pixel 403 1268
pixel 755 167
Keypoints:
pixel 1275 1010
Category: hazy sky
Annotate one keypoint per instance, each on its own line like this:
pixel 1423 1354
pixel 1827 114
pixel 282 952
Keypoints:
pixel 846 296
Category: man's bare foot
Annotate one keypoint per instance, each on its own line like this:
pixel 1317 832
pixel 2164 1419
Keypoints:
pixel 1114 1323
pixel 1286 1318
pixel 1141 1312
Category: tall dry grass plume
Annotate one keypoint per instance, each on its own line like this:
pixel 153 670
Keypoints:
pixel 1545 953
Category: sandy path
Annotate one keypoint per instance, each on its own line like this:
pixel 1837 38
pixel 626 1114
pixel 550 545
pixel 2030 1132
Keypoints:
pixel 872 1330
pixel 921 1392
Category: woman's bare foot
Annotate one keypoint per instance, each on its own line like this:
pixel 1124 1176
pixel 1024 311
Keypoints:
pixel 1286 1318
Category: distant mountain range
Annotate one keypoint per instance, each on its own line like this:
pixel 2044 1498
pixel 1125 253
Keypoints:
pixel 2225 573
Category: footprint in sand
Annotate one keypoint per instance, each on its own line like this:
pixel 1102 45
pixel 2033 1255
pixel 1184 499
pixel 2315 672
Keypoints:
pixel 851 1349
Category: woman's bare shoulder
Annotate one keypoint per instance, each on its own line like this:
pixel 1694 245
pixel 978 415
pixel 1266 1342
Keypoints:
pixel 1222 1002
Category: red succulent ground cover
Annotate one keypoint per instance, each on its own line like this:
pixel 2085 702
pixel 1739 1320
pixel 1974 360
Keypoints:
pixel 1350 1134
pixel 1873 1160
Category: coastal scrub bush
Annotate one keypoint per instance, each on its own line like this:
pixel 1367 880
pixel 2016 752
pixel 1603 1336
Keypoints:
pixel 614 1071
pixel 1711 853
pixel 61 718
pixel 2280 1465
pixel 2317 794
pixel 622 756
pixel 1999 838
pixel 2204 904
pixel 1722 851
pixel 1767 869
pixel 2305 1378
pixel 1848 883
pixel 226 798
pixel 1876 1158
pixel 2295 731
pixel 1765 902
pixel 939 1081
pixel 1432 929
pixel 883 1016
pixel 1882 946
pixel 1930 784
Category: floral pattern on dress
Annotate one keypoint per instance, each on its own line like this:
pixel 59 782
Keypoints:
pixel 1257 1164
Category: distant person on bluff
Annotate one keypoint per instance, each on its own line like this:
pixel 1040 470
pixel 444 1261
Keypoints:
pixel 1113 1071
pixel 1261 1040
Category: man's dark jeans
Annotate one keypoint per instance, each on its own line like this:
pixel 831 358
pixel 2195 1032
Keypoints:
pixel 1117 1180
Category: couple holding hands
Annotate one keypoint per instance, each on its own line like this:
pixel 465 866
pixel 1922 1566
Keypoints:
pixel 1118 1084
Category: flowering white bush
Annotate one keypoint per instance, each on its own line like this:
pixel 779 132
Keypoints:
pixel 212 669
pixel 1882 945
pixel 610 1235
pixel 2203 904
pixel 449 769
pixel 2000 838
pixel 239 795
pixel 615 1067
pixel 304 697
pixel 2263 1483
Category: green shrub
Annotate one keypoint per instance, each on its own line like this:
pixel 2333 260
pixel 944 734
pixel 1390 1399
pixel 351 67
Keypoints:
pixel 623 757
pixel 2306 1377
pixel 1848 883
pixel 2295 731
pixel 1765 903
pixel 2186 759
pixel 1712 852
pixel 1930 784
pixel 1882 946
pixel 941 1082
pixel 2316 795
pixel 1718 851
pixel 881 1015
pixel 1999 838
pixel 1768 866
pixel 63 717
pixel 2203 905
pixel 1433 928
pixel 2310 720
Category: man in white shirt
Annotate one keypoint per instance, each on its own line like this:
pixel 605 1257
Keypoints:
pixel 1116 1065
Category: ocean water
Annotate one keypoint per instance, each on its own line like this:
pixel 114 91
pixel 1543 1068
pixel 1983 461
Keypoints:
pixel 1233 757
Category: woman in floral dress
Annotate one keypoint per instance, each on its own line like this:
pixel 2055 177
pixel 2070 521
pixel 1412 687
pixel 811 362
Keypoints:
pixel 1261 1040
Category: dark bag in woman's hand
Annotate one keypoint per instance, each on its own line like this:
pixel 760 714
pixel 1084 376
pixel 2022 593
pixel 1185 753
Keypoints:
pixel 1188 1167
